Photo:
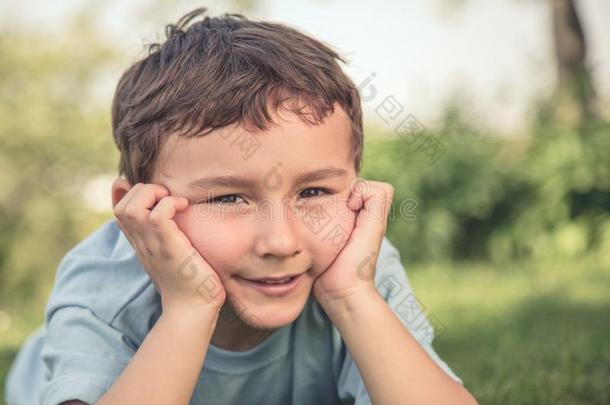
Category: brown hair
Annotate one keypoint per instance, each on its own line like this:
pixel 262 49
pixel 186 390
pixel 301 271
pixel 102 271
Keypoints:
pixel 222 71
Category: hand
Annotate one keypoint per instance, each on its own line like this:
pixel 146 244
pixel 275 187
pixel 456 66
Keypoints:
pixel 353 270
pixel 182 277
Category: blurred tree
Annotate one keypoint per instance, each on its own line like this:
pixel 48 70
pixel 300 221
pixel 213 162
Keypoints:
pixel 55 136
pixel 574 95
pixel 575 90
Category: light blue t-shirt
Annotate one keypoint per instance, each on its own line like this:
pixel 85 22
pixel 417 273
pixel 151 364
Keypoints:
pixel 103 305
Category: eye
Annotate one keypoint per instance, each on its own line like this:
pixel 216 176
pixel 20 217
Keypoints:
pixel 323 190
pixel 230 198
pixel 223 199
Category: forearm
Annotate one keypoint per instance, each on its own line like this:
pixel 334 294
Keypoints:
pixel 394 367
pixel 165 368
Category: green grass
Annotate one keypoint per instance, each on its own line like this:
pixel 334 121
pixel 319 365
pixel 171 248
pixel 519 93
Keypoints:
pixel 529 333
pixel 535 333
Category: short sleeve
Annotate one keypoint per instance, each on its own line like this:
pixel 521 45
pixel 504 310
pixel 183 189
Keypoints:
pixel 82 356
pixel 393 285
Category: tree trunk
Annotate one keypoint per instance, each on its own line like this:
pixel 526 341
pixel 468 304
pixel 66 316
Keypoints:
pixel 575 91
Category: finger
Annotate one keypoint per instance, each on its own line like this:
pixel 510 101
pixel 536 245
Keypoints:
pixel 162 236
pixel 138 208
pixel 119 210
pixel 167 208
pixel 380 200
pixel 127 197
pixel 161 217
pixel 376 200
pixel 354 201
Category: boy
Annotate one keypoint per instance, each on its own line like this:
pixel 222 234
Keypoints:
pixel 222 280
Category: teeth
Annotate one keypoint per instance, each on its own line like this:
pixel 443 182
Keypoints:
pixel 283 281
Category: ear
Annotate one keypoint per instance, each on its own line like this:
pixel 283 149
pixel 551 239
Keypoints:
pixel 120 187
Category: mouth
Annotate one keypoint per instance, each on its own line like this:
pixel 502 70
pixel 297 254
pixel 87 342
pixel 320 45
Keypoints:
pixel 274 287
pixel 275 280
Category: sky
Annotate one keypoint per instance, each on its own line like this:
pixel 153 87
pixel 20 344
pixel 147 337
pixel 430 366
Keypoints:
pixel 492 56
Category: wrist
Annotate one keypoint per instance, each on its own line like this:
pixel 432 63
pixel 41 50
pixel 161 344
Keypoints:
pixel 191 312
pixel 346 306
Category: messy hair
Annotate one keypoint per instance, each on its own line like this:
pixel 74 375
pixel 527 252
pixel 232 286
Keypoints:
pixel 221 71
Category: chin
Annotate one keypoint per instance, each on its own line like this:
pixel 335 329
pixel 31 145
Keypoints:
pixel 262 312
pixel 274 317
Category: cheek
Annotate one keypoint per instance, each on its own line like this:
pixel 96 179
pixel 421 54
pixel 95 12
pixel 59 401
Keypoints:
pixel 332 237
pixel 221 243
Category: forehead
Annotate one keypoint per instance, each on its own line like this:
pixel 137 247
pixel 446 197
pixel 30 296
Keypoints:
pixel 289 143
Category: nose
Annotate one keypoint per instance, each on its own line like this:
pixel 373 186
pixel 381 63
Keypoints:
pixel 278 231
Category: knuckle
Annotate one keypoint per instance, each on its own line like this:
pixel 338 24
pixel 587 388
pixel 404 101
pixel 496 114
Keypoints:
pixel 157 214
pixel 152 187
pixel 146 186
pixel 131 213
pixel 162 188
pixel 155 219
pixel 387 190
pixel 360 185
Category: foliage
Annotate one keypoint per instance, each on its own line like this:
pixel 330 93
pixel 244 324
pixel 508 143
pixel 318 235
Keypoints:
pixel 546 193
pixel 54 138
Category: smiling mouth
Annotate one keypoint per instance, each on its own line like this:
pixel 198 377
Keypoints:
pixel 276 280
pixel 277 288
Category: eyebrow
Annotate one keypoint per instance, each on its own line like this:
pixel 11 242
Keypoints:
pixel 248 182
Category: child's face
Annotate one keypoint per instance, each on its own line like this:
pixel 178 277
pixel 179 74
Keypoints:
pixel 266 230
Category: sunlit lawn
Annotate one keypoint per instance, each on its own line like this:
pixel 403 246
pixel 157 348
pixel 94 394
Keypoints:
pixel 534 333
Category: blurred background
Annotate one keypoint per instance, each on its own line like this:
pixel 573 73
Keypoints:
pixel 491 120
